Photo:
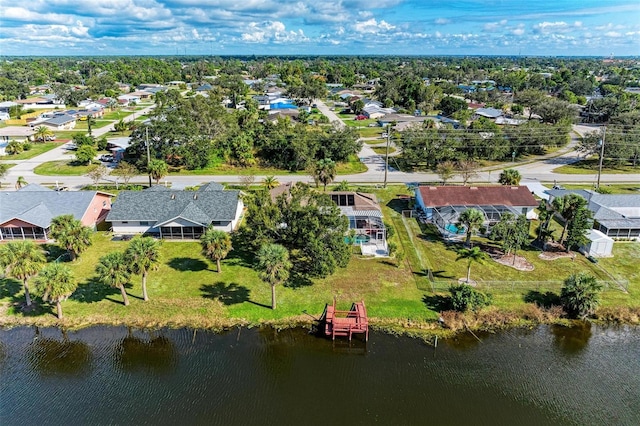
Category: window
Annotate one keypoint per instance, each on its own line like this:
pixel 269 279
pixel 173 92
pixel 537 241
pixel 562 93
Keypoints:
pixel 351 200
pixel 145 223
pixel 124 222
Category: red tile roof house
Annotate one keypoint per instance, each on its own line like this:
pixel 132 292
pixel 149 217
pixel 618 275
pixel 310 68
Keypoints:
pixel 442 205
pixel 26 214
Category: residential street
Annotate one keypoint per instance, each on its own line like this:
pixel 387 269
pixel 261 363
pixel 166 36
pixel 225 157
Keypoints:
pixel 539 171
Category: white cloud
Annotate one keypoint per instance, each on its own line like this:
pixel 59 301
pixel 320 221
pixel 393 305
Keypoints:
pixel 494 26
pixel 558 26
pixel 372 26
pixel 613 34
pixel 442 21
pixel 273 31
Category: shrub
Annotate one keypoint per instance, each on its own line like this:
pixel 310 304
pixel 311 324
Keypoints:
pixel 26 146
pixel 391 231
pixel 580 295
pixel 465 297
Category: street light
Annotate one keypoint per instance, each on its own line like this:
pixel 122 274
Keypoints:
pixel 513 157
pixel 604 131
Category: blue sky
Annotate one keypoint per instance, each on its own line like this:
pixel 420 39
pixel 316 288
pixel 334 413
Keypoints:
pixel 309 27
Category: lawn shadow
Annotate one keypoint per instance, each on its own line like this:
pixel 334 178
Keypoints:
pixel 227 294
pixel 297 280
pixel 442 274
pixel 183 264
pixel 398 204
pixel 437 303
pixel 259 304
pixel 9 287
pixel 93 290
pixel 545 300
pixel 54 252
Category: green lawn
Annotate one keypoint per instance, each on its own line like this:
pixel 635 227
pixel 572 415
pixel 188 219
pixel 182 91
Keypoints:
pixel 82 125
pixel 383 150
pixel 186 290
pixel 65 168
pixel 619 188
pixel 590 166
pixel 37 148
pixel 116 115
pixel 351 167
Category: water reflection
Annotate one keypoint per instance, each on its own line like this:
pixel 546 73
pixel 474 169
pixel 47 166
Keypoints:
pixel 50 357
pixel 153 354
pixel 572 340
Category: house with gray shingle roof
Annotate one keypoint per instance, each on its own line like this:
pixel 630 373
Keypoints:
pixel 615 215
pixel 27 213
pixel 176 214
pixel 60 122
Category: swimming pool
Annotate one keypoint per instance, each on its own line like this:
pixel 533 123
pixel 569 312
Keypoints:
pixel 450 227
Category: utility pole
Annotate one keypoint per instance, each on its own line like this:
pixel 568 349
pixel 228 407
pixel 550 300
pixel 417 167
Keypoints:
pixel 604 132
pixel 386 157
pixel 148 154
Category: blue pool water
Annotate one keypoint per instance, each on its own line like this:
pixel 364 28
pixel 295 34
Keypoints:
pixel 453 229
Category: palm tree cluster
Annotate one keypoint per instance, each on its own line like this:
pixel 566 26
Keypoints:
pixel 55 282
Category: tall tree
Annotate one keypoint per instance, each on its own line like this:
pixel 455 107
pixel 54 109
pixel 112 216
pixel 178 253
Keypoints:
pixel 56 283
pixel 274 267
pixel 324 172
pixel 471 219
pixel 113 270
pixel 216 245
pixel 446 170
pixel 578 228
pixel 467 169
pixel 157 169
pixel 71 234
pixel 96 173
pixel 125 170
pixel 85 154
pixel 512 232
pixel 143 255
pixel 580 295
pixel 471 255
pixel 569 207
pixel 543 233
pixel 22 260
pixel 4 168
pixel 510 177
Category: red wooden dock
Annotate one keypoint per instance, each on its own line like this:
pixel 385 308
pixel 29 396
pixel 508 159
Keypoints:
pixel 346 323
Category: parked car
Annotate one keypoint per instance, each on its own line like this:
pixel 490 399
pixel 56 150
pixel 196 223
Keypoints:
pixel 71 146
pixel 108 158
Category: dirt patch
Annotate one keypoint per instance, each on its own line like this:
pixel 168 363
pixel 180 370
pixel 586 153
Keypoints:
pixel 472 283
pixel 554 251
pixel 519 263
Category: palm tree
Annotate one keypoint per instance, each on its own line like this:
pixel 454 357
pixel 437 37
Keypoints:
pixel 216 245
pixel 157 169
pixel 270 182
pixel 21 182
pixel 113 271
pixel 274 267
pixel 4 168
pixel 472 255
pixel 22 260
pixel 14 147
pixel 56 283
pixel 509 177
pixel 324 172
pixel 580 295
pixel 568 207
pixel 43 133
pixel 471 219
pixel 71 234
pixel 143 255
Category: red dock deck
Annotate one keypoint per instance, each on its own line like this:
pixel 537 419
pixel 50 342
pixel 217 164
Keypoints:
pixel 346 323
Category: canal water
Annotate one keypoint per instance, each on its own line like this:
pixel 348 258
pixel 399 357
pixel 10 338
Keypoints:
pixel 114 375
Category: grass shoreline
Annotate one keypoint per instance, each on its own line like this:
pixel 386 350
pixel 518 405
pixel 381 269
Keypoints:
pixel 490 320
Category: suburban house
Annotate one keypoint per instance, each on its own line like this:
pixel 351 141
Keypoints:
pixel 364 214
pixel 365 220
pixel 60 122
pixel 615 215
pixel 27 213
pixel 176 214
pixel 442 205
pixel 16 132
